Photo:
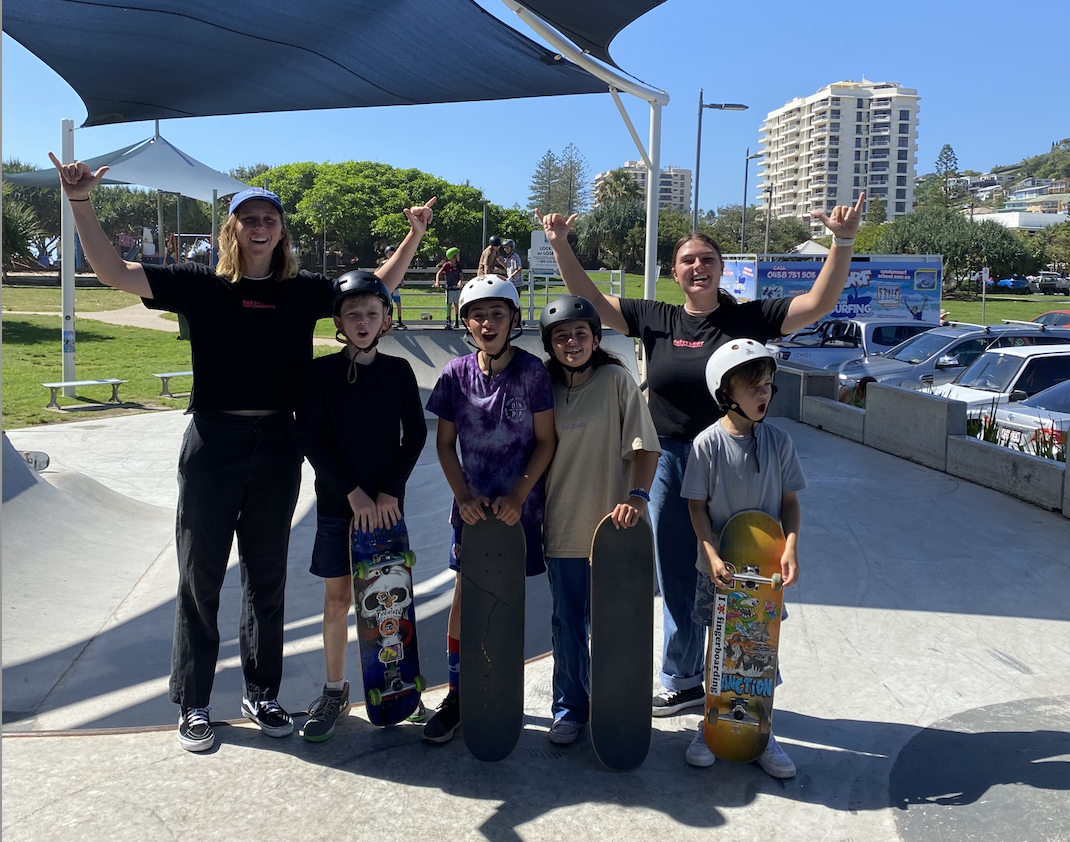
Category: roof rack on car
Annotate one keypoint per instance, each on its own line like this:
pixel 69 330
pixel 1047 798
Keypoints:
pixel 968 324
pixel 1020 322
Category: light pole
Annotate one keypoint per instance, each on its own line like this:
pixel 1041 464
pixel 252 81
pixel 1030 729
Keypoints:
pixel 323 208
pixel 717 106
pixel 485 203
pixel 743 223
pixel 768 210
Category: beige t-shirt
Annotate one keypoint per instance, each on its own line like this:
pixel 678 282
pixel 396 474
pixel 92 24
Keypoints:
pixel 604 422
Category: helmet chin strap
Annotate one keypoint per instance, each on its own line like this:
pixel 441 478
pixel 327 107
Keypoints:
pixel 353 364
pixel 732 406
pixel 470 341
pixel 573 370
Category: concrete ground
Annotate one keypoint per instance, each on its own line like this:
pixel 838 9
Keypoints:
pixel 926 666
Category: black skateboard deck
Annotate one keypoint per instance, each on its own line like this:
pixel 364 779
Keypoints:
pixel 492 637
pixel 622 643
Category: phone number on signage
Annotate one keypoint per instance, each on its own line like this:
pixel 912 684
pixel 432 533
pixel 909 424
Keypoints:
pixel 786 275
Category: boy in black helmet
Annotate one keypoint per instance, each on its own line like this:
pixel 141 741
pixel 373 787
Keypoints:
pixel 361 425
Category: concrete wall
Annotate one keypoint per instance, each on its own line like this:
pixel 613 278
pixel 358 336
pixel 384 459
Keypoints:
pixel 912 424
pixel 835 417
pixel 1031 478
pixel 793 383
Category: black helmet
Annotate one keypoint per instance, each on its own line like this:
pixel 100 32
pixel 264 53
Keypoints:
pixel 566 309
pixel 389 250
pixel 495 240
pixel 360 281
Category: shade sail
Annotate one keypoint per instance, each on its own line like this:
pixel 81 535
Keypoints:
pixel 591 26
pixel 154 163
pixel 155 59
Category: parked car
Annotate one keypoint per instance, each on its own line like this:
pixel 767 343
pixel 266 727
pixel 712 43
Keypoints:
pixel 1038 425
pixel 939 355
pixel 836 341
pixel 1053 317
pixel 1051 283
pixel 1015 284
pixel 1008 375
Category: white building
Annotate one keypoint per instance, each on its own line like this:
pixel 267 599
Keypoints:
pixel 674 188
pixel 824 149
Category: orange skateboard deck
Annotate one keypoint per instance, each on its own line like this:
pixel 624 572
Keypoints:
pixel 741 659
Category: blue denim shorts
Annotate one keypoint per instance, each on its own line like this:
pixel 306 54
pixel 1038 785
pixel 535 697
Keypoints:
pixel 535 562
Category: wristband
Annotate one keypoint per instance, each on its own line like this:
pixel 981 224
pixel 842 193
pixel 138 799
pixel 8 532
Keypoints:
pixel 641 493
pixel 843 241
pixel 86 199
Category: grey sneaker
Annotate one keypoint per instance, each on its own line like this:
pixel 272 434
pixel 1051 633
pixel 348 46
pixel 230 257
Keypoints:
pixel 441 727
pixel 195 730
pixel 324 712
pixel 698 754
pixel 668 702
pixel 269 715
pixel 565 731
pixel 775 762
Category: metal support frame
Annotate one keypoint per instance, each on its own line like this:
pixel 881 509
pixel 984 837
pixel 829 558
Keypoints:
pixel 617 82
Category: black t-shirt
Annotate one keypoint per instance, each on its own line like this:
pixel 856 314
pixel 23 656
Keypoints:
pixel 677 348
pixel 250 340
pixel 368 433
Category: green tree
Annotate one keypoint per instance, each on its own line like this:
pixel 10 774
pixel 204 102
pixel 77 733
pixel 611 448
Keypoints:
pixel 253 175
pixel 876 212
pixel 947 169
pixel 43 201
pixel 616 186
pixel 606 232
pixel 573 181
pixel 1057 246
pixel 543 181
pixel 20 230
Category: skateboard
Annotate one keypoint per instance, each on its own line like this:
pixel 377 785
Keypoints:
pixel 741 659
pixel 381 566
pixel 622 643
pixel 36 459
pixel 492 636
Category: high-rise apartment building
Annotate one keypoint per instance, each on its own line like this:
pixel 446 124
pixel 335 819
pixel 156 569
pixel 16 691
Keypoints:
pixel 674 187
pixel 823 150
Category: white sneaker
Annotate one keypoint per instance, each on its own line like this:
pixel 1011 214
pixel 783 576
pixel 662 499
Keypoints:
pixel 775 762
pixel 698 753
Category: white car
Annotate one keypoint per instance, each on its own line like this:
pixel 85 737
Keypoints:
pixel 1008 375
pixel 1037 425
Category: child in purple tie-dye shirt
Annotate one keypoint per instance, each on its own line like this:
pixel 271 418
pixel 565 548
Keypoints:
pixel 497 404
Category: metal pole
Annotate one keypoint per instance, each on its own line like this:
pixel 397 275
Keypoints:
pixel 324 239
pixel 768 211
pixel 653 183
pixel 215 228
pixel 66 256
pixel 698 161
pixel 484 223
pixel 743 223
pixel 178 228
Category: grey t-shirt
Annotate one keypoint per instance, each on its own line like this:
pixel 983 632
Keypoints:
pixel 723 471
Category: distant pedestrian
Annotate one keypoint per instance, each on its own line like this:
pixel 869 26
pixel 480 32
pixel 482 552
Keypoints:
pixel 450 273
pixel 513 266
pixel 489 262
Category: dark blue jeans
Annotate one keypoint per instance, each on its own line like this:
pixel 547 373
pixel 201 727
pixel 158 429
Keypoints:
pixel 570 587
pixel 237 475
pixel 675 551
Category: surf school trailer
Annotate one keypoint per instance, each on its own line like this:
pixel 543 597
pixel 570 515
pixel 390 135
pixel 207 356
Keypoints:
pixel 883 286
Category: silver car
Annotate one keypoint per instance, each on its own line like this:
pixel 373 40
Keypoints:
pixel 941 354
pixel 1037 425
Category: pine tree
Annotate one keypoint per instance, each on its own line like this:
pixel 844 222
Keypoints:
pixel 543 183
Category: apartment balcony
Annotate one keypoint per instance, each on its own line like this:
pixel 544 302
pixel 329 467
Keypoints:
pixel 880 131
pixel 881 103
pixel 881 141
pixel 882 116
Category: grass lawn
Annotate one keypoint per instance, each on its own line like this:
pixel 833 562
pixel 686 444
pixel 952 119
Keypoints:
pixel 997 307
pixel 50 300
pixel 33 355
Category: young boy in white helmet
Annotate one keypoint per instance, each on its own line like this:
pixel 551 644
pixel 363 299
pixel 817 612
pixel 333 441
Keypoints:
pixel 498 405
pixel 738 464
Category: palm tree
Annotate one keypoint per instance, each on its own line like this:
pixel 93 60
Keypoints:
pixel 617 186
pixel 20 229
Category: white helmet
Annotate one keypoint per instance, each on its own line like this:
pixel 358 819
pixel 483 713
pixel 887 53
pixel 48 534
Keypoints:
pixel 488 286
pixel 730 356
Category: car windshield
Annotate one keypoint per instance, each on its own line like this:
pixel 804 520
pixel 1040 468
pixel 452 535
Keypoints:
pixel 991 372
pixel 1055 399
pixel 918 348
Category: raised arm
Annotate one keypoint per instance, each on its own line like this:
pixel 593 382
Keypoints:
pixel 392 272
pixel 77 183
pixel 822 297
pixel 577 280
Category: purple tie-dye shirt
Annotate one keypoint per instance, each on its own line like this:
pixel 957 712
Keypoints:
pixel 495 424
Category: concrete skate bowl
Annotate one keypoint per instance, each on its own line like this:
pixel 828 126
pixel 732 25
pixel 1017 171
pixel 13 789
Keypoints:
pixel 72 552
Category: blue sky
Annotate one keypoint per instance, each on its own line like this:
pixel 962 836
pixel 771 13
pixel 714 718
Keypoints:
pixel 994 98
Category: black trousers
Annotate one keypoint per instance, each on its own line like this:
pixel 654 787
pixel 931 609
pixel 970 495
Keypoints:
pixel 237 475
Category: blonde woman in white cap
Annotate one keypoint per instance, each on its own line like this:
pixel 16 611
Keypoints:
pixel 251 321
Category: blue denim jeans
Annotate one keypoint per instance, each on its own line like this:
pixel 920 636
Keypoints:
pixel 570 587
pixel 675 552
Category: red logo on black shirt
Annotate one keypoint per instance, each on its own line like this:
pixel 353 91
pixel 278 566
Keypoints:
pixel 257 305
pixel 683 343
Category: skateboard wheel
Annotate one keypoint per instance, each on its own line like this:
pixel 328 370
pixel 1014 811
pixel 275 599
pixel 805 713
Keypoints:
pixel 410 558
pixel 420 683
pixel 362 569
pixel 375 698
pixel 778 581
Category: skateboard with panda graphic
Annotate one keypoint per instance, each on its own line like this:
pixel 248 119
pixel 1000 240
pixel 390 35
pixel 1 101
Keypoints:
pixel 741 659
pixel 381 566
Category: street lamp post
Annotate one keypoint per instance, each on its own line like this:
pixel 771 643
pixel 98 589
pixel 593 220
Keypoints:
pixel 746 174
pixel 768 210
pixel 717 106
pixel 485 203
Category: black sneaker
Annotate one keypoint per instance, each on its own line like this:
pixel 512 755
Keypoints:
pixel 272 719
pixel 323 713
pixel 194 730
pixel 441 727
pixel 668 702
